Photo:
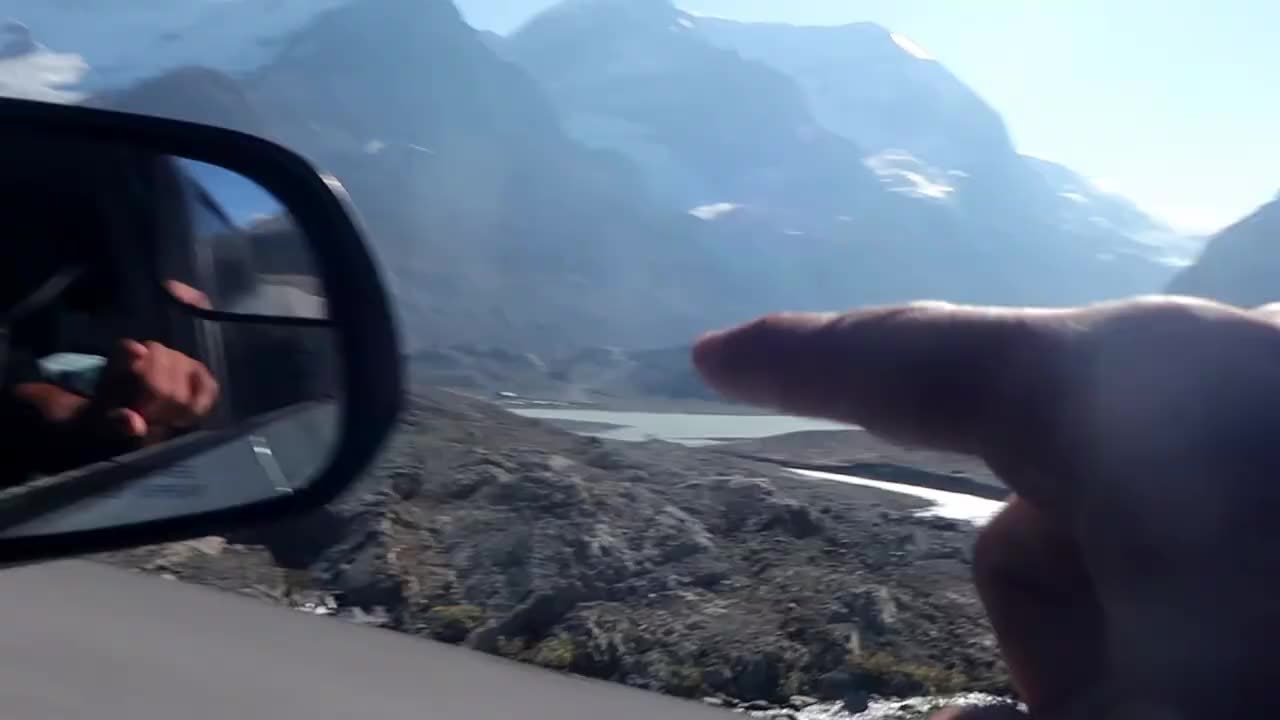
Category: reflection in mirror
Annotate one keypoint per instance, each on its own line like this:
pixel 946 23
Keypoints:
pixel 248 255
pixel 272 456
pixel 119 405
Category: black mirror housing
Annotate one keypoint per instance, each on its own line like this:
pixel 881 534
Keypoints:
pixel 356 309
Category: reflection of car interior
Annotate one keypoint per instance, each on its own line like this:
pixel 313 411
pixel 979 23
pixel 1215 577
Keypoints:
pixel 259 268
pixel 89 219
pixel 257 271
pixel 138 220
pixel 222 254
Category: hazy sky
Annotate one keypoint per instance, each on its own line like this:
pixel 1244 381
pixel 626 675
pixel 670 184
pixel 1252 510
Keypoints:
pixel 1170 102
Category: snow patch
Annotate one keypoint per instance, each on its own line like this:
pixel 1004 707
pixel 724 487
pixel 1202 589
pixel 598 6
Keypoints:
pixel 1074 197
pixel 910 47
pixel 901 172
pixel 43 75
pixel 714 211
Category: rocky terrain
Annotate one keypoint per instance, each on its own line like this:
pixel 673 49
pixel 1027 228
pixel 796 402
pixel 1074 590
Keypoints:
pixel 659 566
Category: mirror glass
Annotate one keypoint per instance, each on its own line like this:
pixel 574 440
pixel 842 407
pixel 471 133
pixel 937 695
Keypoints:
pixel 247 248
pixel 166 343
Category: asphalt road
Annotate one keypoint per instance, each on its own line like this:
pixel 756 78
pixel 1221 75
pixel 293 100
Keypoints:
pixel 81 640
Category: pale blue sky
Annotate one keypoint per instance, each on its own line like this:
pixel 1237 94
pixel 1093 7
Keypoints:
pixel 1169 102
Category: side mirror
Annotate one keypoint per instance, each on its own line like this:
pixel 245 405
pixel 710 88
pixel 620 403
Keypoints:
pixel 193 334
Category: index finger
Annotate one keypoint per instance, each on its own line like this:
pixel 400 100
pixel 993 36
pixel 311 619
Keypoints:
pixel 944 376
pixel 187 294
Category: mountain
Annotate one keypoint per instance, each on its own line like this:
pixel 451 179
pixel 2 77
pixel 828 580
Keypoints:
pixel 491 224
pixel 1241 264
pixel 869 83
pixel 796 124
pixel 496 227
pixel 1085 208
pixel 189 93
pixel 931 135
pixel 633 75
pixel 605 177
pixel 136 40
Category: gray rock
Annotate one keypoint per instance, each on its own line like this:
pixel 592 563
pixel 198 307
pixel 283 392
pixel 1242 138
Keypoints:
pixel 800 702
pixel 753 505
pixel 535 617
pixel 467 481
pixel 538 489
pixel 406 483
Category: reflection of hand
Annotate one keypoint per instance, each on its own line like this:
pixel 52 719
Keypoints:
pixel 1131 576
pixel 187 294
pixel 148 390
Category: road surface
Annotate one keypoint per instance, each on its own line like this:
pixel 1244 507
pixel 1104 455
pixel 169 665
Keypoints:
pixel 81 640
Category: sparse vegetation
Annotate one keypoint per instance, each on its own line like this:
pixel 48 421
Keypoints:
pixel 555 652
pixel 883 674
pixel 684 681
pixel 453 623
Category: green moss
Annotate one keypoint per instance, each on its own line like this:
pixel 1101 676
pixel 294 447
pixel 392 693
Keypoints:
pixel 883 674
pixel 684 680
pixel 555 652
pixel 453 623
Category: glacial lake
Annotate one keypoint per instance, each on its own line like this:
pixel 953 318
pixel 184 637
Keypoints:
pixel 704 429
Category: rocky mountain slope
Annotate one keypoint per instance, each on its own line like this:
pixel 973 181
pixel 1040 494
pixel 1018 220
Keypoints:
pixel 650 564
pixel 633 75
pixel 928 133
pixel 1241 264
pixel 665 186
pixel 865 81
pixel 491 224
pixel 740 116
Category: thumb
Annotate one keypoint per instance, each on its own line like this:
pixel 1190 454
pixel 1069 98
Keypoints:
pixel 127 422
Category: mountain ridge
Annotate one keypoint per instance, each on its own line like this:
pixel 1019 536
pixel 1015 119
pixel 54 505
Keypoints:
pixel 498 224
pixel 1240 265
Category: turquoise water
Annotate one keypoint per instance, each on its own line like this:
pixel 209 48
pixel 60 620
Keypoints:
pixel 697 429
pixel 685 428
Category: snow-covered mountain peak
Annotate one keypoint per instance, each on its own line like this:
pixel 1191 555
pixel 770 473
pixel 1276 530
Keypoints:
pixel 135 40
